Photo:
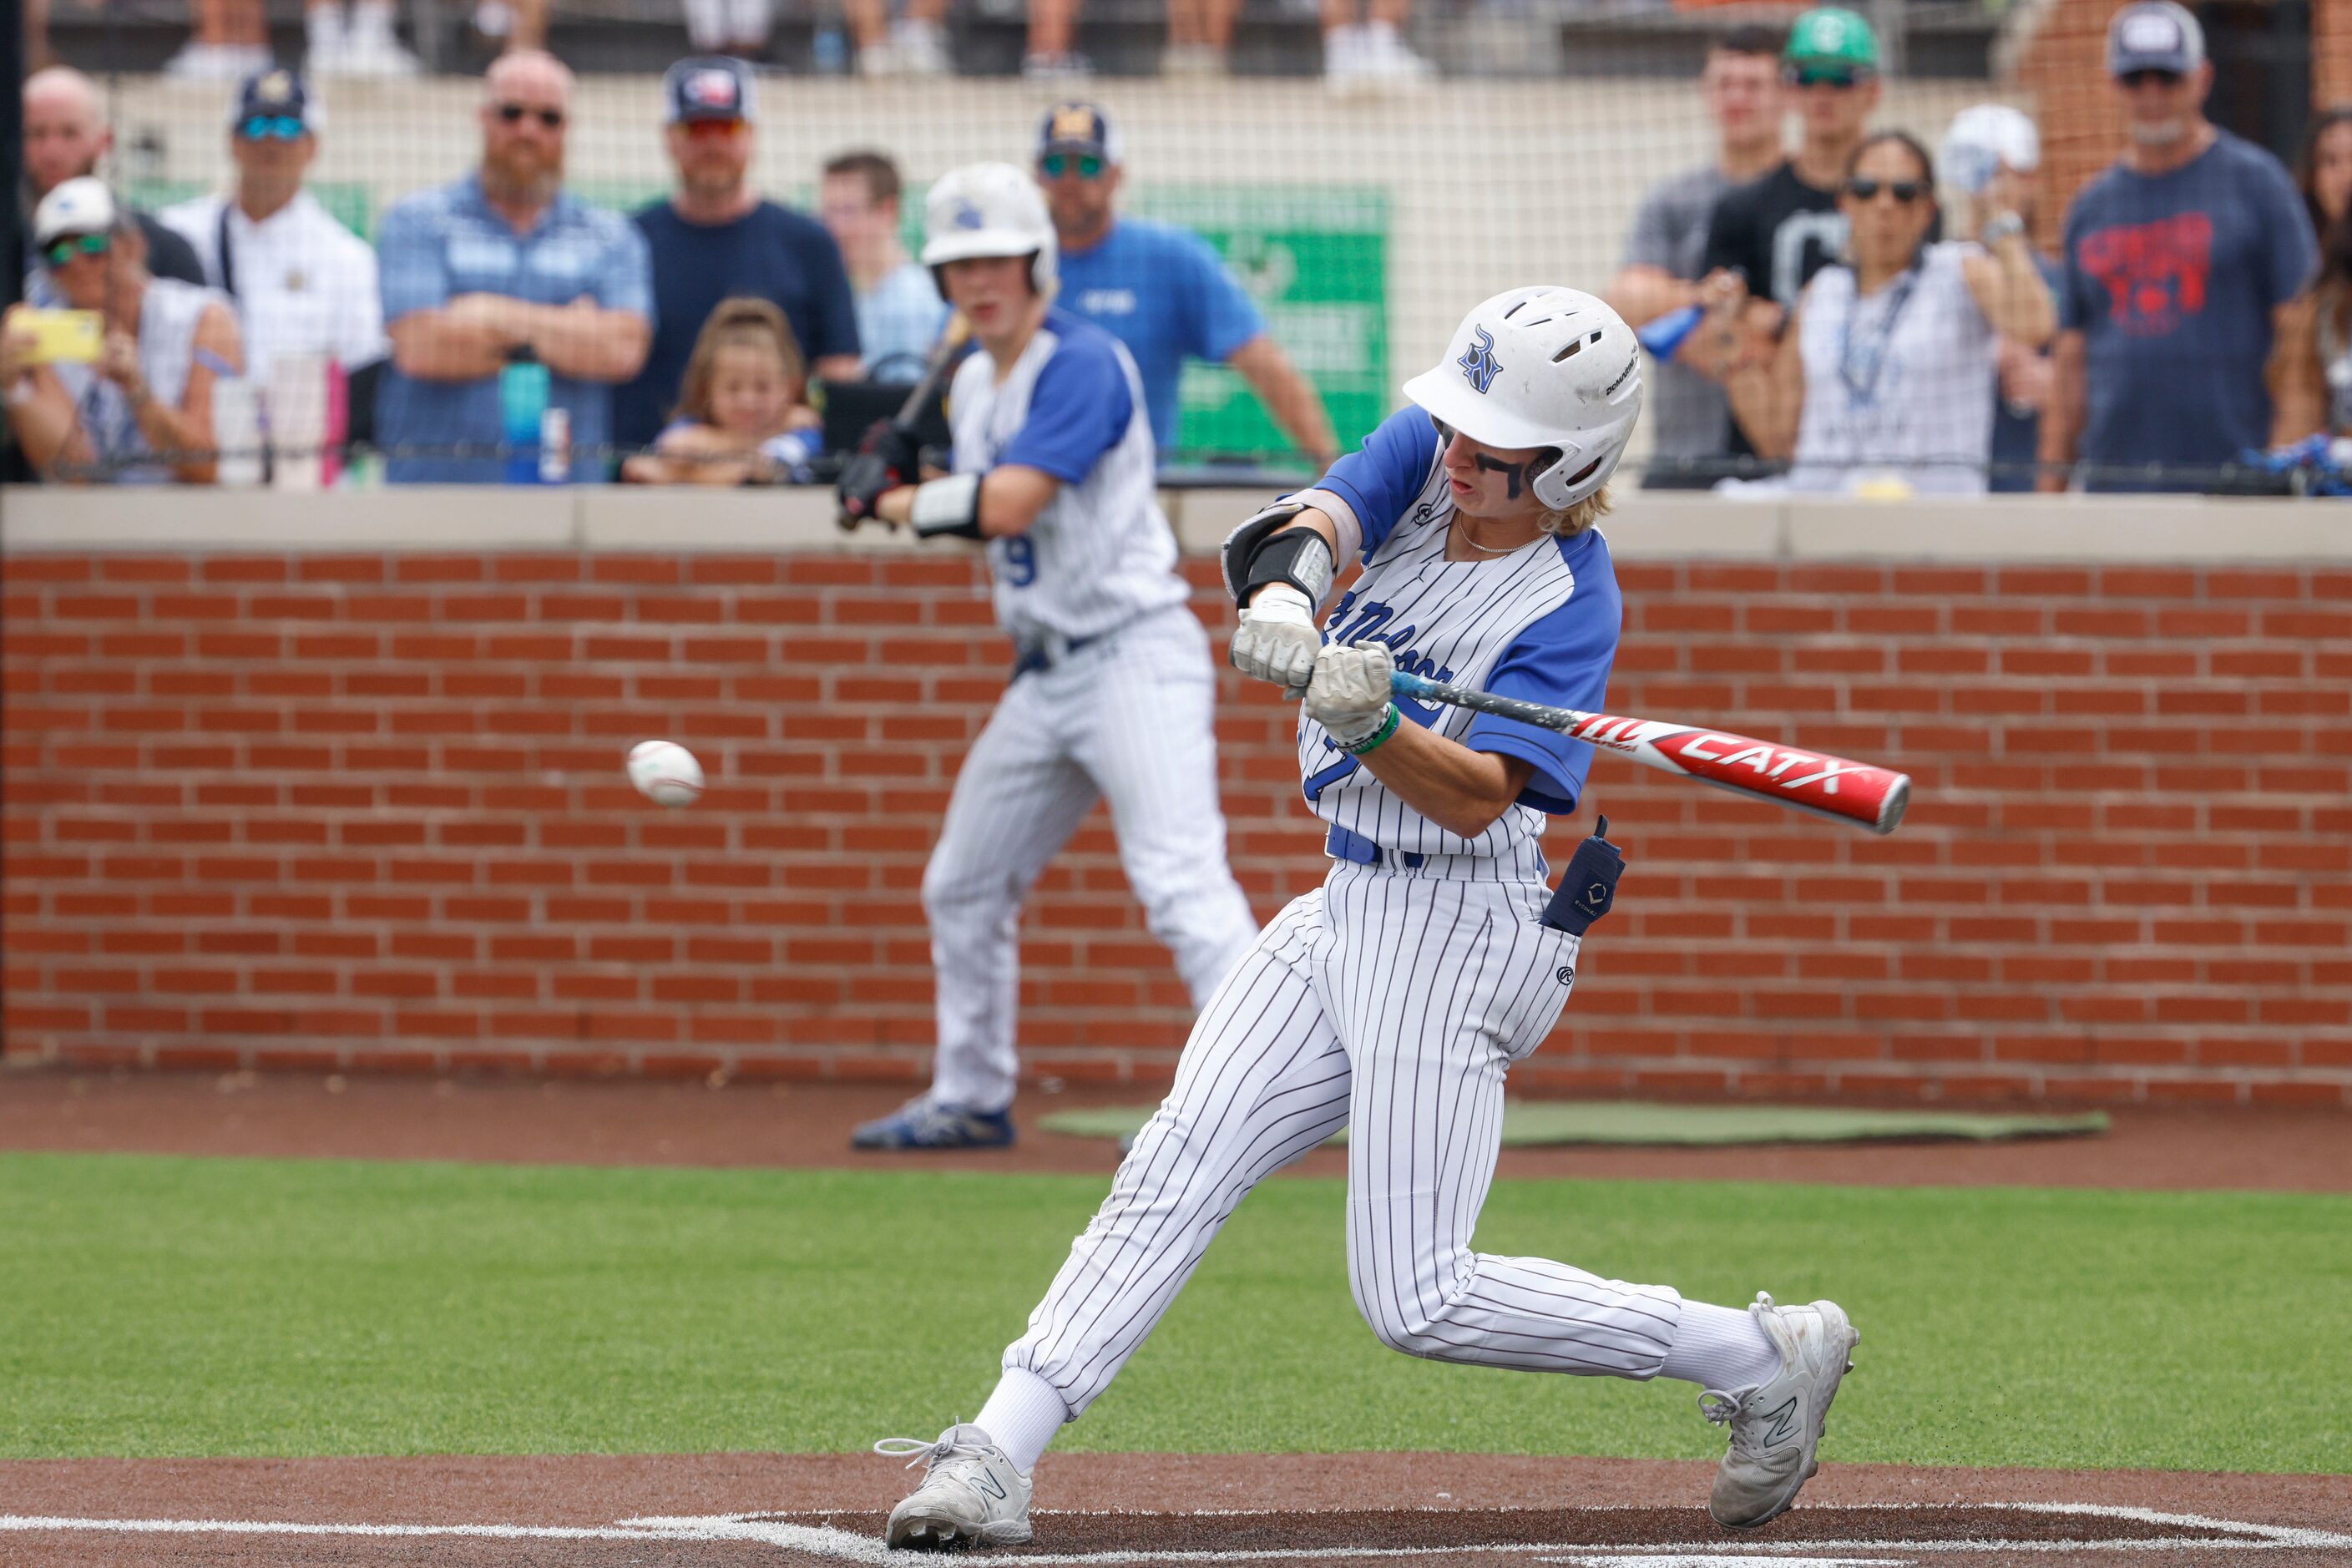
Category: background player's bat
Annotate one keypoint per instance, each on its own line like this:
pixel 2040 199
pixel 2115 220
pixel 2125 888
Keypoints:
pixel 1809 781
pixel 909 416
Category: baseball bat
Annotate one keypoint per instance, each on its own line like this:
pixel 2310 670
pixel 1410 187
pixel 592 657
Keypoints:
pixel 910 412
pixel 1835 787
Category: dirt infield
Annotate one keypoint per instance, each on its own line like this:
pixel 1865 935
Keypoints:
pixel 1345 1511
pixel 642 1121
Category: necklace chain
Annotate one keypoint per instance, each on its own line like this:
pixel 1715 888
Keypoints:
pixel 1486 549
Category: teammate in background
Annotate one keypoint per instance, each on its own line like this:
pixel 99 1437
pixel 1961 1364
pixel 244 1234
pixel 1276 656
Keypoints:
pixel 1160 289
pixel 1112 686
pixel 1740 84
pixel 1766 239
pixel 1393 999
pixel 900 311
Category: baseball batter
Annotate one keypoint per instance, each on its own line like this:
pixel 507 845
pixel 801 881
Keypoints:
pixel 1112 690
pixel 1393 999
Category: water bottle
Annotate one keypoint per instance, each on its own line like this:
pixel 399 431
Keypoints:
pixel 554 445
pixel 237 432
pixel 829 51
pixel 523 410
pixel 1663 336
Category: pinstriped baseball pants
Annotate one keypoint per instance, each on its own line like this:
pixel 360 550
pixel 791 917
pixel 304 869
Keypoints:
pixel 1130 719
pixel 1391 1002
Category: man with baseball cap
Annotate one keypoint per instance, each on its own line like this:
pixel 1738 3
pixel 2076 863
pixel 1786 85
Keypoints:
pixel 302 282
pixel 1766 239
pixel 1161 289
pixel 716 239
pixel 2181 262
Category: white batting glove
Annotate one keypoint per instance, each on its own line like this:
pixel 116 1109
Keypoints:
pixel 1276 639
pixel 1348 695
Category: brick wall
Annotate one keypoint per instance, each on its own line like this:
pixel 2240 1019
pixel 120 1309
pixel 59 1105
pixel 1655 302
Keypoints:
pixel 368 810
pixel 2331 52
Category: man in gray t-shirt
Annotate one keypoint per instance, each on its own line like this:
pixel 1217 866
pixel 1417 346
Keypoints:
pixel 1688 419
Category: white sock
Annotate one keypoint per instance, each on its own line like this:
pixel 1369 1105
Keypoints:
pixel 1022 1416
pixel 323 28
pixel 372 20
pixel 1722 1348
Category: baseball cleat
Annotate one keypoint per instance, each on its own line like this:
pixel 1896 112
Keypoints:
pixel 971 1495
pixel 927 1124
pixel 1775 1426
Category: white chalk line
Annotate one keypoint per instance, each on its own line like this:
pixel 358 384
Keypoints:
pixel 844 1546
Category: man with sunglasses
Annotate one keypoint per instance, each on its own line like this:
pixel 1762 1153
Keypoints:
pixel 1766 239
pixel 2181 262
pixel 716 238
pixel 503 264
pixel 303 283
pixel 1160 289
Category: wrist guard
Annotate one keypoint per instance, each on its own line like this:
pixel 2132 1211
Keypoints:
pixel 948 506
pixel 1265 550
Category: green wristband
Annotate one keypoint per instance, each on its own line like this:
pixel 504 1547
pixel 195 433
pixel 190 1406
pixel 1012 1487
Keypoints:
pixel 1371 742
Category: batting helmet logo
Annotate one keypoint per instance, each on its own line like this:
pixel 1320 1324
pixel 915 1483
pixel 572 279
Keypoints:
pixel 1477 361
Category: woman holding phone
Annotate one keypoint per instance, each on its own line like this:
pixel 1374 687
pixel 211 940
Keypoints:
pixel 140 412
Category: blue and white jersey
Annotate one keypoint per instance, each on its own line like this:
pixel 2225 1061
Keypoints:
pixel 1101 553
pixel 1540 623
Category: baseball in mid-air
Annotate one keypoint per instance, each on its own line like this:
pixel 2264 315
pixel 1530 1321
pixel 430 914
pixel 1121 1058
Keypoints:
pixel 666 773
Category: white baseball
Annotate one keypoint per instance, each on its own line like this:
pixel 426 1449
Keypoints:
pixel 666 773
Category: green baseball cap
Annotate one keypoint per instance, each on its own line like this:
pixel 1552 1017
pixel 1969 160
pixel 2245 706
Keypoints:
pixel 1832 34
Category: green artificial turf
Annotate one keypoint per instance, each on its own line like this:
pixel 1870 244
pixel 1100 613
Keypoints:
pixel 153 1306
pixel 1538 1122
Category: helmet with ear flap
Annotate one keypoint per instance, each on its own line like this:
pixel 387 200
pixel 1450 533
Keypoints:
pixel 1542 368
pixel 989 210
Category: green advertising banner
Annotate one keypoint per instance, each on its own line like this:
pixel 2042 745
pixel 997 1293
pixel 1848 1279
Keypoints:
pixel 1315 258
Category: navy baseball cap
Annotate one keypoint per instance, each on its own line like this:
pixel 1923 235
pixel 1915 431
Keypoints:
pixel 1079 128
pixel 2154 35
pixel 709 87
pixel 276 93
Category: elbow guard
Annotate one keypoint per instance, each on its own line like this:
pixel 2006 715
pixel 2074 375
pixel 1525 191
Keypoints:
pixel 950 505
pixel 1266 549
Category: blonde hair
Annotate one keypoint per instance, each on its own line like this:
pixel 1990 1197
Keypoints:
pixel 738 323
pixel 1577 518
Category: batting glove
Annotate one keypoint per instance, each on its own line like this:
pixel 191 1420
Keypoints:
pixel 1348 695
pixel 1276 639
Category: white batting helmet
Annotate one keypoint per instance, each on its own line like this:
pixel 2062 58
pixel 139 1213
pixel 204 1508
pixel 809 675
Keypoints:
pixel 1546 367
pixel 988 209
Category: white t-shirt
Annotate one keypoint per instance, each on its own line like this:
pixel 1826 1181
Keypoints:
pixel 304 283
pixel 1100 552
pixel 1899 383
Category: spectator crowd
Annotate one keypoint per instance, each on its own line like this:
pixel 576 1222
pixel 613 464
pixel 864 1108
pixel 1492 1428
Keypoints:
pixel 1859 313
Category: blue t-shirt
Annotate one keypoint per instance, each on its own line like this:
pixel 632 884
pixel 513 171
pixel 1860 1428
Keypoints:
pixel 1561 658
pixel 1164 293
pixel 2171 280
pixel 770 253
pixel 439 244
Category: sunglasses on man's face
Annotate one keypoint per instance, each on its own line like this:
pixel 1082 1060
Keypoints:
pixel 513 113
pixel 1086 166
pixel 271 128
pixel 1825 77
pixel 2142 77
pixel 62 250
pixel 1903 191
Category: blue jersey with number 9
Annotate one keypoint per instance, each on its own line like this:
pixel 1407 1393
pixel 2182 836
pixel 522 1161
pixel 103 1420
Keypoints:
pixel 1100 553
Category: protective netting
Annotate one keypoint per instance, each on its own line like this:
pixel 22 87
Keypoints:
pixel 1360 186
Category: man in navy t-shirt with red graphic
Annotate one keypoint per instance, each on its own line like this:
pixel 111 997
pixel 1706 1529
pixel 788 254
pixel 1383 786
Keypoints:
pixel 2178 262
